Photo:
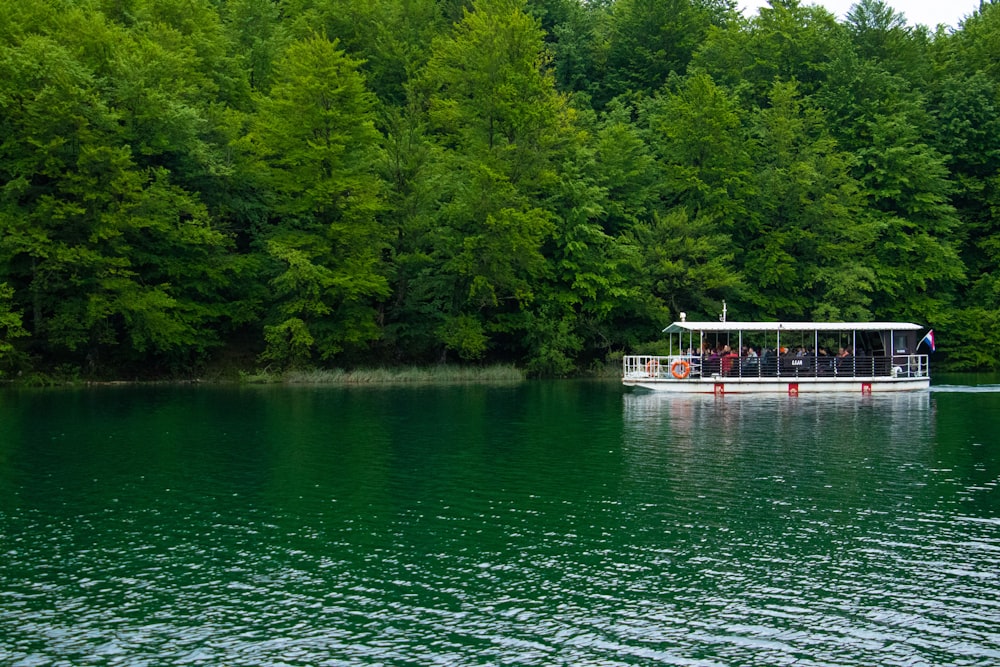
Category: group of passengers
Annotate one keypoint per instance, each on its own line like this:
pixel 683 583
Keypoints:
pixel 709 353
pixel 722 358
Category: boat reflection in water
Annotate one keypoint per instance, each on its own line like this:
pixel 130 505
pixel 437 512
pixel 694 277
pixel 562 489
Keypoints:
pixel 755 421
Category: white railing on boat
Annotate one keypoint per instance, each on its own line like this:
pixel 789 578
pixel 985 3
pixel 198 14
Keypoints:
pixel 695 367
pixel 662 367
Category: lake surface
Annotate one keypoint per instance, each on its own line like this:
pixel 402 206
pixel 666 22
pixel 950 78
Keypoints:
pixel 549 523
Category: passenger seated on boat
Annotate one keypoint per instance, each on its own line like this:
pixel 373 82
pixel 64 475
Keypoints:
pixel 728 356
pixel 824 362
pixel 845 361
pixel 709 361
pixel 768 363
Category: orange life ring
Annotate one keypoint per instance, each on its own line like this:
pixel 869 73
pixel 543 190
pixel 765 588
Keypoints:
pixel 680 369
pixel 652 367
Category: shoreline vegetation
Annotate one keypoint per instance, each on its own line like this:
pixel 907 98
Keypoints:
pixel 405 375
pixel 496 374
pixel 438 374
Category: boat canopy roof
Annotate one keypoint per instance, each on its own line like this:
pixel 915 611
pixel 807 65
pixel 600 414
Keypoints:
pixel 680 327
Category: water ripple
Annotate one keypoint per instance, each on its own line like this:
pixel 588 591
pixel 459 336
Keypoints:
pixel 583 528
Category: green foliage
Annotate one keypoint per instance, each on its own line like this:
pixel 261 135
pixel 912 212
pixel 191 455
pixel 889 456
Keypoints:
pixel 315 138
pixel 390 39
pixel 805 244
pixel 255 29
pixel 648 40
pixel 464 334
pixel 108 257
pixel 686 263
pixel 906 184
pixel 543 182
pixel 488 88
pixel 289 343
pixel 10 324
pixel 786 41
pixel 971 338
pixel 473 250
pixel 699 136
pixel 881 37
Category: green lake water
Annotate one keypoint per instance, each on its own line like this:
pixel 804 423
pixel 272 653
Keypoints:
pixel 548 523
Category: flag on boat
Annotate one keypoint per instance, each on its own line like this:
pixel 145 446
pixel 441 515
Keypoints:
pixel 929 339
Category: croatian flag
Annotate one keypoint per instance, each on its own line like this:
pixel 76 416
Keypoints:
pixel 929 339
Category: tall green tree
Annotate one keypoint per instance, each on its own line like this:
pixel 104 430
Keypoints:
pixel 805 246
pixel 907 191
pixel 590 289
pixel 256 30
pixel 966 132
pixel 697 138
pixel 785 41
pixel 389 38
pixel 974 46
pixel 876 109
pixel 696 130
pixel 650 39
pixel 315 138
pixel 880 35
pixel 683 264
pixel 626 170
pixel 574 36
pixel 497 124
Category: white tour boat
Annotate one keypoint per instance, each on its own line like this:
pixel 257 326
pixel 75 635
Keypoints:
pixel 785 357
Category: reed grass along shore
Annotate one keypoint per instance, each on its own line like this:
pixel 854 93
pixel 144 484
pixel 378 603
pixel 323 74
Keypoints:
pixel 495 374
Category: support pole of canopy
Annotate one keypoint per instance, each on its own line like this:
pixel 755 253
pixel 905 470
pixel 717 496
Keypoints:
pixel 777 352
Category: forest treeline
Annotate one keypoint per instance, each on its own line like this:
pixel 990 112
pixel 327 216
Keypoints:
pixel 291 183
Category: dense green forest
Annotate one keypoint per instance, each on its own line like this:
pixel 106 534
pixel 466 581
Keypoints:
pixel 290 183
